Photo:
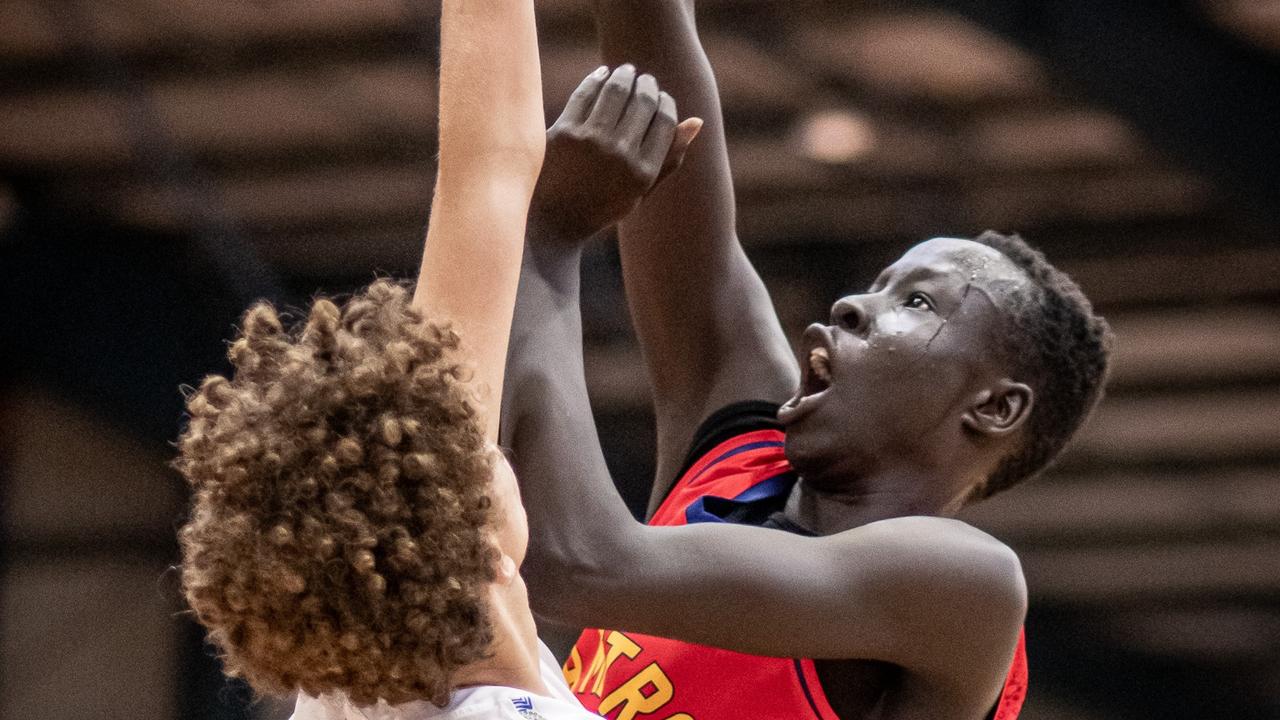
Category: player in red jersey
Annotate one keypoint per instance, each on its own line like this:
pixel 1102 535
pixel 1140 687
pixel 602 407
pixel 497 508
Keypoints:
pixel 963 369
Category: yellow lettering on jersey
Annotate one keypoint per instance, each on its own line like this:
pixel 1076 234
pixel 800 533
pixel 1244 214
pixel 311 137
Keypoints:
pixel 631 696
pixel 619 645
pixel 597 664
pixel 681 716
pixel 572 667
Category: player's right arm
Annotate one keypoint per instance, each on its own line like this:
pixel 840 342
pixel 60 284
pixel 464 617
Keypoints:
pixel 705 321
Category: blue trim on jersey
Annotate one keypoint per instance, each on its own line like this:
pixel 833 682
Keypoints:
pixel 735 451
pixel 804 685
pixel 772 487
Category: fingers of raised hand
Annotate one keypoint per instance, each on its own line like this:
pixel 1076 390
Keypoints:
pixel 661 131
pixel 620 129
pixel 644 104
pixel 583 99
pixel 611 103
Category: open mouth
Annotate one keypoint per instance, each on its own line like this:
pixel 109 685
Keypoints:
pixel 815 374
pixel 818 375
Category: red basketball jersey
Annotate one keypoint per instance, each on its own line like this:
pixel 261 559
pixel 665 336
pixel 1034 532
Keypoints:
pixel 623 676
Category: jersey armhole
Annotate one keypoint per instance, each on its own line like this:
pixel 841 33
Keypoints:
pixel 1014 692
pixel 814 694
pixel 729 421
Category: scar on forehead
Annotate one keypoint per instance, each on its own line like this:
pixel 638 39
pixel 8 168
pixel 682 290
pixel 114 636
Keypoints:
pixel 969 287
pixel 947 318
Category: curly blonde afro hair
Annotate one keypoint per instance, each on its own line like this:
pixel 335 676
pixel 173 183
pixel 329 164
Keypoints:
pixel 341 531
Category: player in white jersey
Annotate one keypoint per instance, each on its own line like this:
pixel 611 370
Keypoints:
pixel 356 535
pixel 485 701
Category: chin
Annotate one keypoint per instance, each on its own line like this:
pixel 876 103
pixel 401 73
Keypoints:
pixel 829 454
pixel 806 453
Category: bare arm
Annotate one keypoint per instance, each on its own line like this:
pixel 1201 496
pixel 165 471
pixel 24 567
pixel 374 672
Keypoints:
pixel 901 590
pixel 615 140
pixel 705 322
pixel 491 147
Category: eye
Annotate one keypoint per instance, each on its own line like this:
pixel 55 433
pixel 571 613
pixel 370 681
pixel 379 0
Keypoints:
pixel 918 301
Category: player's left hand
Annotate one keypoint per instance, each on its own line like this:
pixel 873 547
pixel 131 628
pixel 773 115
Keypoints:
pixel 617 138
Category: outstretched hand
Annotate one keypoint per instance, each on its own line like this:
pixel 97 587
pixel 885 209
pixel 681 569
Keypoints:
pixel 617 138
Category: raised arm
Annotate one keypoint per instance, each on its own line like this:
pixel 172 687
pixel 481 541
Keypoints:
pixel 492 139
pixel 616 138
pixel 705 322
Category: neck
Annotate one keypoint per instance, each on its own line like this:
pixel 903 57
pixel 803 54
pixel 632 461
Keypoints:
pixel 826 510
pixel 513 660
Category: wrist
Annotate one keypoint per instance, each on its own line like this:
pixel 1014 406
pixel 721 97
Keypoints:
pixel 557 227
pixel 556 261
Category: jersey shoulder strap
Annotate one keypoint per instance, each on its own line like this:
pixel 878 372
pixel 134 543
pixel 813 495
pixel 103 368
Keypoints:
pixel 729 470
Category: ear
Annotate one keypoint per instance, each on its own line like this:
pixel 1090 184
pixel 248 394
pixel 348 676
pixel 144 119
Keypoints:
pixel 1000 410
pixel 507 570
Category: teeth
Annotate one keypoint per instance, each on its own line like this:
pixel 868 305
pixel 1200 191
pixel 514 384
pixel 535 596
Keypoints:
pixel 820 361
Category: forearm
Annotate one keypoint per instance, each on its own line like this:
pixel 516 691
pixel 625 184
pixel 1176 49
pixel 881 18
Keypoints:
pixel 605 151
pixel 491 116
pixel 661 37
pixel 702 315
pixel 578 523
pixel 491 146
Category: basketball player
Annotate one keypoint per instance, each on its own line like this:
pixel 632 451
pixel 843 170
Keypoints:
pixel 356 536
pixel 800 559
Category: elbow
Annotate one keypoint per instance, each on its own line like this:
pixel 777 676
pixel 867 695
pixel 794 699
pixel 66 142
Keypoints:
pixel 555 591
pixel 576 584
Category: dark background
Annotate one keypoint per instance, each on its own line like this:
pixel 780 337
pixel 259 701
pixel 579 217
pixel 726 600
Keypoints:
pixel 162 164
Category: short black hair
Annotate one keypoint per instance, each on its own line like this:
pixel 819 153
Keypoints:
pixel 1059 346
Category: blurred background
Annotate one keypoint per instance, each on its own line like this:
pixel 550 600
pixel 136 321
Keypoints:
pixel 162 164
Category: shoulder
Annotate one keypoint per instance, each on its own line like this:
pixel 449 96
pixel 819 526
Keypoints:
pixel 928 532
pixel 933 551
pixel 942 584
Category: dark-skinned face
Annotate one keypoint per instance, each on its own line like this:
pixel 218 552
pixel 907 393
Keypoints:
pixel 889 379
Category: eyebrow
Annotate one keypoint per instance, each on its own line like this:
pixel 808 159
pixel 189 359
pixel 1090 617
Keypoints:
pixel 913 274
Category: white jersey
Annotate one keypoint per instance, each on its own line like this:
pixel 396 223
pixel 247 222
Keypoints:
pixel 471 703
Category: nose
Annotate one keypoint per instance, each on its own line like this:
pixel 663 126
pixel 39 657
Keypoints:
pixel 849 314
